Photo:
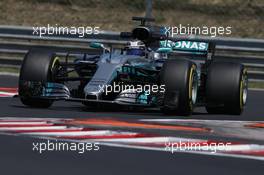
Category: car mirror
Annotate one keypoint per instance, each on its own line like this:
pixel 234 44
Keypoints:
pixel 164 50
pixel 96 45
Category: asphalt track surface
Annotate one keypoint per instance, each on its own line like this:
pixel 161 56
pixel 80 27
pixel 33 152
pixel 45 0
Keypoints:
pixel 17 157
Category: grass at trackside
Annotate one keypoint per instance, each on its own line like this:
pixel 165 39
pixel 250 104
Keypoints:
pixel 256 85
pixel 9 70
pixel 245 17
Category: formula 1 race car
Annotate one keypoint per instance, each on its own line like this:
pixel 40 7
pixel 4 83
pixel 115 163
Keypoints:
pixel 152 70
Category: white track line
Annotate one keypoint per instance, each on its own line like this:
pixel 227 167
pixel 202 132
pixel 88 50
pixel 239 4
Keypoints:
pixel 196 120
pixel 32 128
pixel 77 133
pixel 23 123
pixel 25 119
pixel 156 140
pixel 256 89
pixel 191 152
pixel 244 147
pixel 7 94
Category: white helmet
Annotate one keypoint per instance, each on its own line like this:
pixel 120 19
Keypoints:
pixel 135 48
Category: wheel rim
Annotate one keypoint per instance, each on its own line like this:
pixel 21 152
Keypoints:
pixel 194 88
pixel 54 68
pixel 244 89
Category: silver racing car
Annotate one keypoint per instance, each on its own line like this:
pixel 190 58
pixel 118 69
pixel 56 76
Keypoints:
pixel 152 70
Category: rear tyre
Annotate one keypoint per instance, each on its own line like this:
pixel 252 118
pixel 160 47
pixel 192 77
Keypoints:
pixel 226 88
pixel 181 83
pixel 38 66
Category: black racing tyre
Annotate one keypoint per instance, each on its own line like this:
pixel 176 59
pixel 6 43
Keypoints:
pixel 37 67
pixel 226 88
pixel 181 84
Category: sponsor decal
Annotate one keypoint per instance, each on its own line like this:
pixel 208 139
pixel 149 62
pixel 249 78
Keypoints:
pixel 185 45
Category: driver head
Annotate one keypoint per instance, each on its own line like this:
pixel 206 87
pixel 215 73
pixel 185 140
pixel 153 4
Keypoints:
pixel 135 48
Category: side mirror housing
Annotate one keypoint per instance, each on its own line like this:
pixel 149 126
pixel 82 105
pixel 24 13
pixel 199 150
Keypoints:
pixel 164 50
pixel 96 45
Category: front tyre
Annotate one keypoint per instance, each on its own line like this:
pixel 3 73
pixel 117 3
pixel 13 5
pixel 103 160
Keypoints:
pixel 226 88
pixel 181 84
pixel 38 66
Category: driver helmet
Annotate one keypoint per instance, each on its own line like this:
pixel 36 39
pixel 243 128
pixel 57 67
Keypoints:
pixel 135 48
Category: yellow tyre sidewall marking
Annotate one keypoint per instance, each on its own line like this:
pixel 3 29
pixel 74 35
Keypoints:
pixel 190 86
pixel 242 87
pixel 54 61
